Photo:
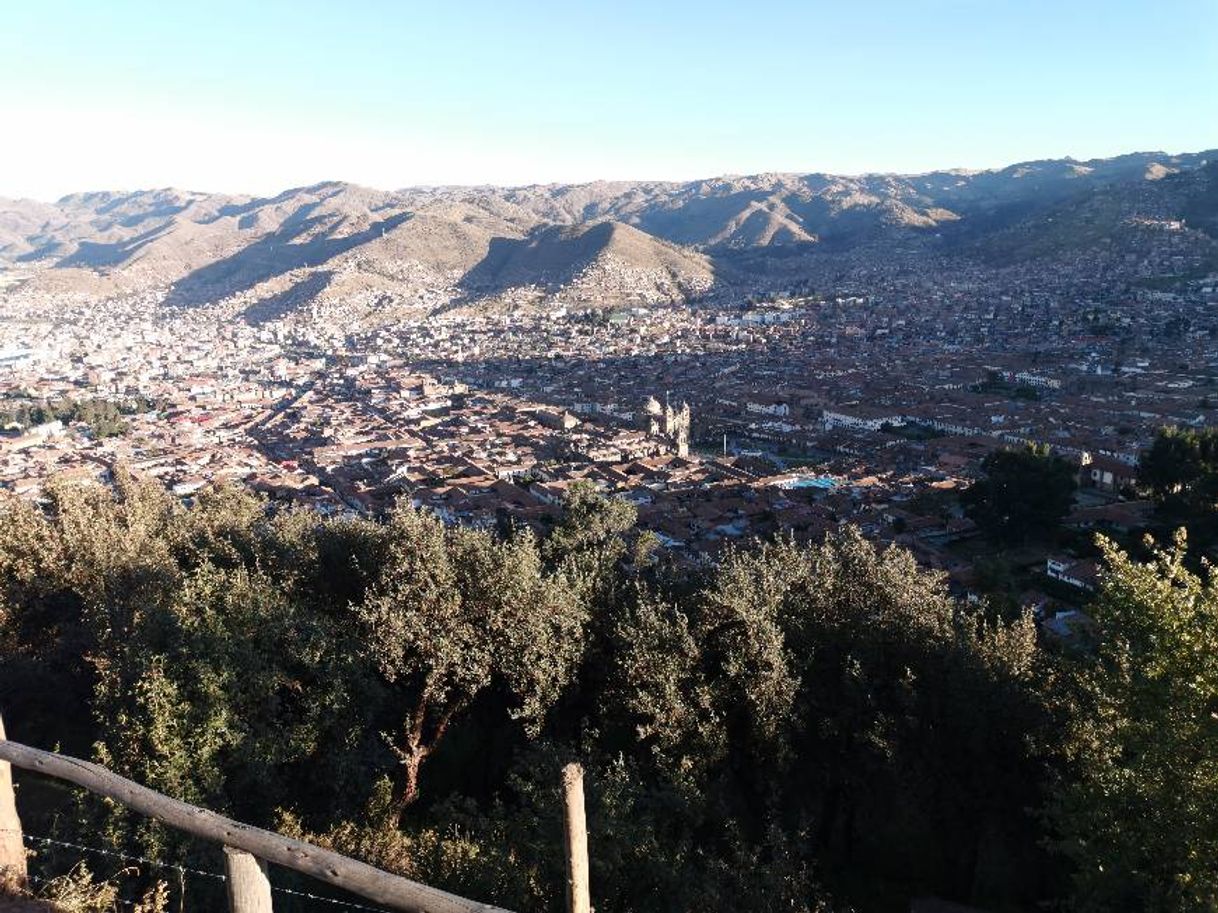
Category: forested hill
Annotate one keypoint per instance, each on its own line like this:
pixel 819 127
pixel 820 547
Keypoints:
pixel 802 727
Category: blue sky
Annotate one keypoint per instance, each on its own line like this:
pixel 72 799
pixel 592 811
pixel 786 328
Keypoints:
pixel 260 95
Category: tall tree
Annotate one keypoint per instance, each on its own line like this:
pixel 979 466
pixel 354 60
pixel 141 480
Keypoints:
pixel 1140 821
pixel 1024 494
pixel 1181 470
pixel 810 688
pixel 589 541
pixel 454 613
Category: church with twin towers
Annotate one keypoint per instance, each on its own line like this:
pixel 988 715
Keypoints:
pixel 668 423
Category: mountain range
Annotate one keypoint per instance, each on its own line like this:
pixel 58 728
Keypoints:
pixel 600 242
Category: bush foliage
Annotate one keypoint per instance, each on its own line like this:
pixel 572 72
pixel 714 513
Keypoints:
pixel 802 727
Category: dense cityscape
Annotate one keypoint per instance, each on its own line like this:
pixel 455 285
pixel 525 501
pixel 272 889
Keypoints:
pixel 870 398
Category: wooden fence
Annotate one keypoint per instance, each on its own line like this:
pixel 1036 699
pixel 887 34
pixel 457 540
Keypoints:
pixel 247 849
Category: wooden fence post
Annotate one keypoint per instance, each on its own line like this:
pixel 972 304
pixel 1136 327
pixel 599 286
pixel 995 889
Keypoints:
pixel 249 890
pixel 12 847
pixel 579 895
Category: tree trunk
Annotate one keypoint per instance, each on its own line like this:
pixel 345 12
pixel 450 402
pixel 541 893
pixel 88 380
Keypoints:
pixel 962 858
pixel 408 784
pixel 410 757
pixel 418 748
pixel 848 829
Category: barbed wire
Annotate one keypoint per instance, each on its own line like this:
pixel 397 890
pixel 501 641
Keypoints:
pixel 50 841
pixel 180 869
pixel 330 900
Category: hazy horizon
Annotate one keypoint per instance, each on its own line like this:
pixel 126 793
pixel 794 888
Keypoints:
pixel 601 180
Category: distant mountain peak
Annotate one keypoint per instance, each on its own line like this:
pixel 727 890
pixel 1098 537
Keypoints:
pixel 624 240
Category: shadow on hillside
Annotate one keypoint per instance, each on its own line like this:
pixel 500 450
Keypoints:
pixel 273 255
pixel 98 255
pixel 284 303
pixel 42 252
pixel 548 258
pixel 696 220
pixel 164 211
pixel 326 190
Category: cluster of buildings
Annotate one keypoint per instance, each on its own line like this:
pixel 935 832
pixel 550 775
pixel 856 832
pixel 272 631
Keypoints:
pixel 872 401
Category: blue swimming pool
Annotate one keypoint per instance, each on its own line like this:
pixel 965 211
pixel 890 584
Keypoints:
pixel 822 482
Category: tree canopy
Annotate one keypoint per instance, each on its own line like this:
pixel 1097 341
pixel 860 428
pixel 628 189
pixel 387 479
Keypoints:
pixel 1140 820
pixel 1023 495
pixel 797 726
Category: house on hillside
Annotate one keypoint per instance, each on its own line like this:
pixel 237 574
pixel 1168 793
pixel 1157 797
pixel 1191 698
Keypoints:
pixel 1106 473
pixel 1082 575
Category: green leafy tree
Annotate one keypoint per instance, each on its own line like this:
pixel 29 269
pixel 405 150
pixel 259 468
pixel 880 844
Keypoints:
pixel 1140 821
pixel 1024 494
pixel 1181 468
pixel 207 664
pixel 809 689
pixel 589 541
pixel 455 612
pixel 596 548
pixel 1173 464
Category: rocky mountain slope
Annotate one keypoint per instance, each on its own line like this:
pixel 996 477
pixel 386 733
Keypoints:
pixel 602 258
pixel 606 241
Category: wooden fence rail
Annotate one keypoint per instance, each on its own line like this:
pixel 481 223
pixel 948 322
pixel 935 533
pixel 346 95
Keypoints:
pixel 247 848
